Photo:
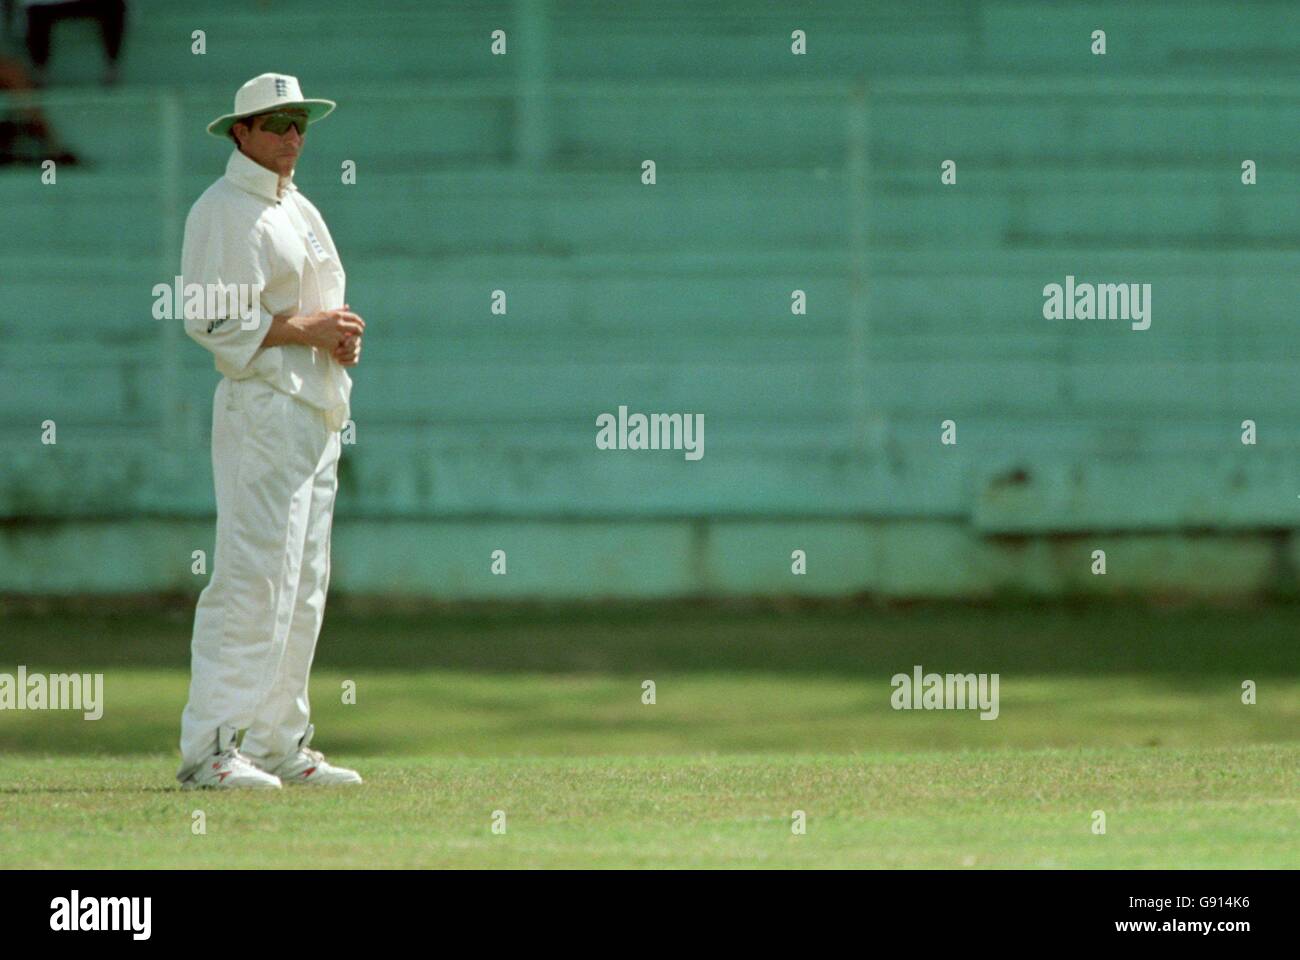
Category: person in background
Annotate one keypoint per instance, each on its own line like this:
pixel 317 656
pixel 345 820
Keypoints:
pixel 42 15
pixel 25 135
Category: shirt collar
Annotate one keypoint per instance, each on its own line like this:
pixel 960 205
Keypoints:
pixel 256 179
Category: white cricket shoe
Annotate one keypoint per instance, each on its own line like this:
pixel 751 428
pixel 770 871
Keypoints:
pixel 308 767
pixel 230 770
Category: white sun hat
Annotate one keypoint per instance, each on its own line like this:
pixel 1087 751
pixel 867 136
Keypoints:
pixel 269 91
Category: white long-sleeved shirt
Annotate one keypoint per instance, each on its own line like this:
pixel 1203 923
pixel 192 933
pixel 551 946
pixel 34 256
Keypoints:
pixel 250 228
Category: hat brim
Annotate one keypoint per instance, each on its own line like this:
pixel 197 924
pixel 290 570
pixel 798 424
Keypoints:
pixel 316 110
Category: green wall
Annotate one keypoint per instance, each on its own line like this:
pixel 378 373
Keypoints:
pixel 819 173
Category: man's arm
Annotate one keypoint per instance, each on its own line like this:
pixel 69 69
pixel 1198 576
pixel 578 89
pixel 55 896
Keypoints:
pixel 220 254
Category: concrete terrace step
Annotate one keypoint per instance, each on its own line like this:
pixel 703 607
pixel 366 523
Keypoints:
pixel 111 473
pixel 604 128
pixel 444 215
pixel 805 390
pixel 429 43
pixel 1198 295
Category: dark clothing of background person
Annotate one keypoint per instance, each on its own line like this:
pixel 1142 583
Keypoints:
pixel 25 135
pixel 41 18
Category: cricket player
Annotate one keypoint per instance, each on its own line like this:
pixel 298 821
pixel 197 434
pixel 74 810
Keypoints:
pixel 283 342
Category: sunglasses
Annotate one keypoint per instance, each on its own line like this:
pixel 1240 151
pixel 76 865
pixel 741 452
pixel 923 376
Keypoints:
pixel 279 123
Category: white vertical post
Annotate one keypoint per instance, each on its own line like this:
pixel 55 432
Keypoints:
pixel 533 133
pixel 174 405
pixel 532 121
pixel 859 330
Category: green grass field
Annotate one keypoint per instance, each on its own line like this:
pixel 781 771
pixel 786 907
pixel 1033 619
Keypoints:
pixel 759 713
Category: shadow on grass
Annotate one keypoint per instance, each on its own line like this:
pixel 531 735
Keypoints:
pixel 1092 640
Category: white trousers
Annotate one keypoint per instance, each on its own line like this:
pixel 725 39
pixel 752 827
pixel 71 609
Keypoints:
pixel 275 467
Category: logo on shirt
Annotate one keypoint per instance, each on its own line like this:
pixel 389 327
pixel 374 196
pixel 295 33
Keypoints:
pixel 316 244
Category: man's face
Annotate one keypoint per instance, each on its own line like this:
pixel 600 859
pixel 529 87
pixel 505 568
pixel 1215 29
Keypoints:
pixel 275 151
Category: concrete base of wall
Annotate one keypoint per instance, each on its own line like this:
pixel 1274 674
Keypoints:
pixel 580 559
